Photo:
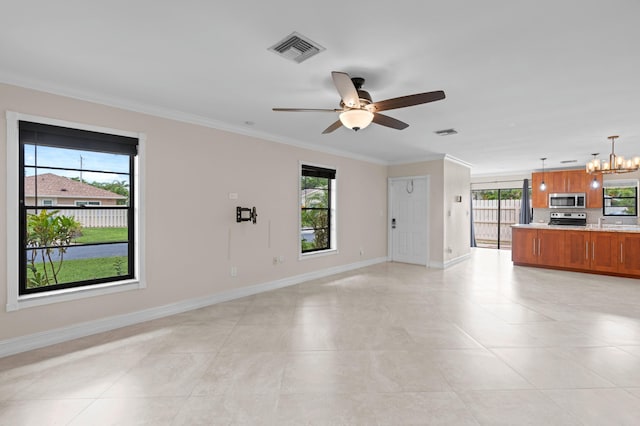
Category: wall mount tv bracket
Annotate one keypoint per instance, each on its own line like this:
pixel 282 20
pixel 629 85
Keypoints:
pixel 246 214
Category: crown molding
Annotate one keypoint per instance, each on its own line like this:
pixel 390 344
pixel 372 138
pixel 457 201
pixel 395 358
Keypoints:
pixel 176 115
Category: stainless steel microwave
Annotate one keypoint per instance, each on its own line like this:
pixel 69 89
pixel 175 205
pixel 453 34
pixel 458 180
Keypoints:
pixel 575 200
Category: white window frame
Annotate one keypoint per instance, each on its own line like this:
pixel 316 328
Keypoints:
pixel 47 202
pixel 15 301
pixel 334 217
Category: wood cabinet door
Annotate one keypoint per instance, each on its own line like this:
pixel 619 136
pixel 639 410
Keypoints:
pixel 557 182
pixel 594 195
pixel 524 245
pixel 574 180
pixel 604 251
pixel 539 199
pixel 551 247
pixel 630 253
pixel 577 249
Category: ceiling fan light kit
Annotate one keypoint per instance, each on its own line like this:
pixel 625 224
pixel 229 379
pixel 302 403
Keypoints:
pixel 616 163
pixel 357 110
pixel 356 119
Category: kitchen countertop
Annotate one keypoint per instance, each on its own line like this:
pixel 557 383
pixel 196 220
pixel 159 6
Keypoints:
pixel 589 227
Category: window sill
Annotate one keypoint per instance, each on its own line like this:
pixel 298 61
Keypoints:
pixel 31 300
pixel 319 253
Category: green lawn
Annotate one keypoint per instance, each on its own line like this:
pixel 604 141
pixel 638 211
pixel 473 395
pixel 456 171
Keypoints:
pixel 84 269
pixel 102 235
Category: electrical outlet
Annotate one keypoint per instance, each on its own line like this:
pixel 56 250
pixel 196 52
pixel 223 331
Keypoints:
pixel 234 271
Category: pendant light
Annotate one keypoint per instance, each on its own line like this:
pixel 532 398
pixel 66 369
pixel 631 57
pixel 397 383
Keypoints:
pixel 594 183
pixel 543 186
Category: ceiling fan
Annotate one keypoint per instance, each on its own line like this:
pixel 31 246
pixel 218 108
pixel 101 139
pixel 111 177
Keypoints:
pixel 357 110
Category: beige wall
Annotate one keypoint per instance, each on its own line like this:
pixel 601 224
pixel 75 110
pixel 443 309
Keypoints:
pixel 192 241
pixel 457 226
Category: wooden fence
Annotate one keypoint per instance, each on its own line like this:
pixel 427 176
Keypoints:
pixel 485 221
pixel 98 218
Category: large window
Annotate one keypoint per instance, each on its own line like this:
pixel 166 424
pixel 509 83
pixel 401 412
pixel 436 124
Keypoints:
pixel 75 207
pixel 620 198
pixel 317 214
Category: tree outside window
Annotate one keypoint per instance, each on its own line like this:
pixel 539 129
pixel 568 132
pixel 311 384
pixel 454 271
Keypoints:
pixel 316 208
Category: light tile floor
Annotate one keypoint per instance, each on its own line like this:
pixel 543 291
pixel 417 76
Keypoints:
pixel 482 342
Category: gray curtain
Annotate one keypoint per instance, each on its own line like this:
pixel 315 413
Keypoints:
pixel 473 231
pixel 525 206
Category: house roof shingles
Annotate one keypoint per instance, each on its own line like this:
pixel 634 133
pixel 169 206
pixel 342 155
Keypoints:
pixel 51 185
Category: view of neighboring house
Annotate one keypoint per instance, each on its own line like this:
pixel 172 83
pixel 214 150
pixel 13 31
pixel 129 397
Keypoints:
pixel 54 190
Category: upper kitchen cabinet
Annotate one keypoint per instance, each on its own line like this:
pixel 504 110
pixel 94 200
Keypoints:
pixel 564 181
pixel 539 199
pixel 594 195
pixel 567 181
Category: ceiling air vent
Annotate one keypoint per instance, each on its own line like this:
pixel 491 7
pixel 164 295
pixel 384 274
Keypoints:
pixel 446 132
pixel 296 47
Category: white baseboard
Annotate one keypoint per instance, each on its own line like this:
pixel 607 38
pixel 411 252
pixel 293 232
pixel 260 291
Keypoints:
pixel 450 262
pixel 50 337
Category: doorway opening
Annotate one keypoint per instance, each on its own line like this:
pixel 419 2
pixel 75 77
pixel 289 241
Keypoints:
pixel 494 211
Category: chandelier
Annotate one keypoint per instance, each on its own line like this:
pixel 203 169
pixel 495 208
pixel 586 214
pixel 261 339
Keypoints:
pixel 616 163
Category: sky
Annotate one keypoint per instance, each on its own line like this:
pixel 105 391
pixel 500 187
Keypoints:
pixel 114 164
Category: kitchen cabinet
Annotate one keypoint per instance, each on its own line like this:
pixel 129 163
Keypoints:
pixel 594 195
pixel 550 247
pixel 524 245
pixel 574 181
pixel 564 181
pixel 629 243
pixel 539 199
pixel 596 251
pixel 604 251
pixel 577 249
pixel 543 247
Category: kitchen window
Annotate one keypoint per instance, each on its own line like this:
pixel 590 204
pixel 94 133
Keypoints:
pixel 620 198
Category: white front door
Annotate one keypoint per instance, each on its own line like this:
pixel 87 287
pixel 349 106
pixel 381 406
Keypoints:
pixel 409 220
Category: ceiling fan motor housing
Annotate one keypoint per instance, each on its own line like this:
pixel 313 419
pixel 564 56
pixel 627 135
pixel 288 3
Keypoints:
pixel 363 96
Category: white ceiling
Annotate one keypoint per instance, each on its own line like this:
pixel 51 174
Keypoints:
pixel 524 80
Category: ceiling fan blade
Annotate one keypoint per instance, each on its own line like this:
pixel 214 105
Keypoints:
pixel 346 89
pixel 305 110
pixel 385 120
pixel 406 101
pixel 333 127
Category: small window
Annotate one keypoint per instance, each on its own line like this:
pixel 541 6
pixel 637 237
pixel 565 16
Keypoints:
pixel 317 214
pixel 46 203
pixel 620 198
pixel 87 203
